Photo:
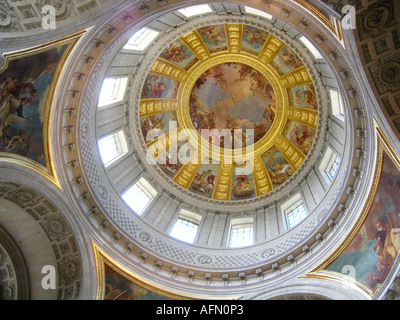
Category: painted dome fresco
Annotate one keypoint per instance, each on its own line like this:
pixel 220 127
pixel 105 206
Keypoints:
pixel 228 112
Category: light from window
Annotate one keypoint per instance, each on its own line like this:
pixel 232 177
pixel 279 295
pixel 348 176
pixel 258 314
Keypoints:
pixel 311 47
pixel 141 39
pixel 329 165
pixel 112 90
pixel 112 147
pixel 186 226
pixel 296 215
pixel 334 168
pixel 139 196
pixel 195 10
pixel 336 102
pixel 241 235
pixel 108 149
pixel 184 230
pixel 258 12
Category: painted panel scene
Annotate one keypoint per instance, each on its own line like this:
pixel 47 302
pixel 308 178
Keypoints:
pixel 156 125
pixel 205 179
pixel 159 87
pixel 174 159
pixel 278 167
pixel 303 96
pixel 117 287
pixel 375 247
pixel 286 61
pixel 214 37
pixel 242 184
pixel 301 135
pixel 179 54
pixel 253 39
pixel 233 96
pixel 24 89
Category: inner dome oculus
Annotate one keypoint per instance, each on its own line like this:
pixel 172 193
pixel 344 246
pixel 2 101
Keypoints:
pixel 233 96
pixel 228 77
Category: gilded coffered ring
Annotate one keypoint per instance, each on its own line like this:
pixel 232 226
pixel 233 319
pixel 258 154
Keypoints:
pixel 229 80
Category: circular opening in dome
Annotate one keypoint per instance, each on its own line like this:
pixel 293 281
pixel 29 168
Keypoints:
pixel 235 99
pixel 251 79
pixel 226 118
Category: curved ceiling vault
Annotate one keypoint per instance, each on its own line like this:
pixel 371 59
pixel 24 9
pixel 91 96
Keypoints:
pixel 232 122
pixel 246 62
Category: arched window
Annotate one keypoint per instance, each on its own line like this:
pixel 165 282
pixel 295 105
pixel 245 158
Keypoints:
pixel 294 211
pixel 241 233
pixel 139 196
pixel 186 226
pixel 336 104
pixel 311 47
pixel 257 12
pixel 112 91
pixel 195 10
pixel 112 147
pixel 141 39
pixel 329 165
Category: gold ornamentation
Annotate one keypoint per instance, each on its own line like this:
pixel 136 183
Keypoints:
pixel 278 125
pixel 223 185
pixel 327 21
pixel 296 77
pixel 291 153
pixel 168 69
pixel 273 137
pixel 186 174
pixel 150 107
pixel 271 49
pixel 308 117
pixel 196 44
pixel 262 180
pixel 234 34
pixel 159 146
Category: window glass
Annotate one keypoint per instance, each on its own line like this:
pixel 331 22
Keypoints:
pixel 334 168
pixel 195 10
pixel 294 210
pixel 186 226
pixel 112 90
pixel 141 39
pixel 139 196
pixel 296 215
pixel 329 165
pixel 241 234
pixel 311 47
pixel 257 12
pixel 184 230
pixel 112 147
pixel 336 104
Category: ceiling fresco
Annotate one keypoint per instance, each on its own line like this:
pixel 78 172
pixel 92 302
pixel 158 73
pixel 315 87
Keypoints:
pixel 24 87
pixel 229 112
pixel 369 253
pixel 232 96
pixel 28 80
pixel 118 287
